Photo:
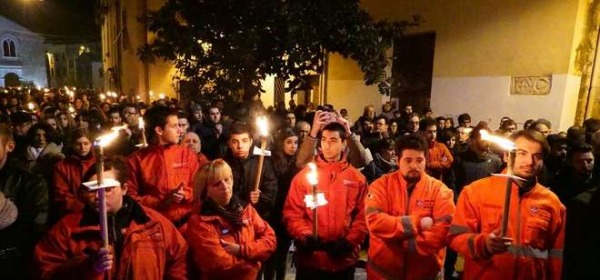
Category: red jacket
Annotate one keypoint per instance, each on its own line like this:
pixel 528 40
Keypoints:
pixel 156 172
pixel 256 238
pixel 153 249
pixel 399 247
pixel 343 216
pixel 439 159
pixel 68 174
pixel 536 224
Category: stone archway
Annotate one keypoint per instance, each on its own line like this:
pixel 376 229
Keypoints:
pixel 11 80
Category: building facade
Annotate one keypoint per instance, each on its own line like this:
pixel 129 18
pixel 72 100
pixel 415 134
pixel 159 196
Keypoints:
pixel 22 56
pixel 526 60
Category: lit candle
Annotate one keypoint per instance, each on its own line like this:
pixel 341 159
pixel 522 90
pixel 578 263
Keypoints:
pixel 31 106
pixel 143 131
pixel 312 201
pixel 100 143
pixel 263 129
pixel 510 147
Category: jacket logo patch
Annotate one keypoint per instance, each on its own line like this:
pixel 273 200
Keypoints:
pixel 224 231
pixel 539 212
pixel 180 165
pixel 350 183
pixel 425 203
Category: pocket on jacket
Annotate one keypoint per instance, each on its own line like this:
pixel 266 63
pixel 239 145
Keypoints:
pixel 536 230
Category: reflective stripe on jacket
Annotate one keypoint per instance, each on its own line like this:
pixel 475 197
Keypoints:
pixel 536 225
pixel 399 247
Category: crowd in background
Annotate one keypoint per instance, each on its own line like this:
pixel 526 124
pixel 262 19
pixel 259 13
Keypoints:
pixel 195 147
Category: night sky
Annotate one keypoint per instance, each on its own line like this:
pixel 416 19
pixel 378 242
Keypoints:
pixel 68 21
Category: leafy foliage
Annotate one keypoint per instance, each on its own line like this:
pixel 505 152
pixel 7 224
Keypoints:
pixel 227 45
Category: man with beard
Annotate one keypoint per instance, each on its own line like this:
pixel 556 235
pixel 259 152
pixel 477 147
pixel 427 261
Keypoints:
pixel 408 214
pixel 533 244
pixel 576 177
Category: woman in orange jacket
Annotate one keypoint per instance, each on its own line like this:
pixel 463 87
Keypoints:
pixel 228 240
pixel 68 173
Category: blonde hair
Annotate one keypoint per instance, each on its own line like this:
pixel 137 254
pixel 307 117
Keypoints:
pixel 208 173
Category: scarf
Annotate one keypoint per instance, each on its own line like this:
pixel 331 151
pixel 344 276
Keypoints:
pixel 232 212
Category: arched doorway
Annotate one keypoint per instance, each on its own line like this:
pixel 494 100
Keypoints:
pixel 11 80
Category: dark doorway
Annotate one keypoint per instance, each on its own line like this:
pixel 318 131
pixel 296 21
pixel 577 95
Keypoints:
pixel 11 80
pixel 412 70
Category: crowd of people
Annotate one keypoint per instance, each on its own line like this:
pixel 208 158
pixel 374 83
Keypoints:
pixel 191 194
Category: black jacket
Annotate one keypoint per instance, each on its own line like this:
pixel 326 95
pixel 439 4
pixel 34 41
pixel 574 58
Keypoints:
pixel 29 192
pixel 244 173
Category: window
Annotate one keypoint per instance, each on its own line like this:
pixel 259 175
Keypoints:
pixel 9 48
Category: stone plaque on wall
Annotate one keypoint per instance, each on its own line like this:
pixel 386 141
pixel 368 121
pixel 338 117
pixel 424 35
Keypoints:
pixel 530 85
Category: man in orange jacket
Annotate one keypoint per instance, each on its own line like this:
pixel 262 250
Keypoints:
pixel 143 243
pixel 533 245
pixel 408 215
pixel 341 227
pixel 439 158
pixel 162 175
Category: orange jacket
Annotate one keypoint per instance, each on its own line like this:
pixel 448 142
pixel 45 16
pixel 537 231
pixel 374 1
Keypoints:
pixel 67 180
pixel 153 249
pixel 343 216
pixel 156 172
pixel 399 247
pixel 256 238
pixel 439 158
pixel 536 224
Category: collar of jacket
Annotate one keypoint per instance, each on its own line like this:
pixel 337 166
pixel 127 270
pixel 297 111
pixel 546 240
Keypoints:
pixel 90 157
pixel 422 183
pixel 131 210
pixel 339 165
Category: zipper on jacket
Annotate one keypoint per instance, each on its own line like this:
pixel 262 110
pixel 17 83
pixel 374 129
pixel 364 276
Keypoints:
pixel 518 240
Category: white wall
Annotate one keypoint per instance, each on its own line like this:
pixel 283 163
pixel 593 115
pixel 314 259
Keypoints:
pixel 488 99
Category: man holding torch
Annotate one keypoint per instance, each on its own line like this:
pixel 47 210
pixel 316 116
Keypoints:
pixel 328 223
pixel 532 244
pixel 254 182
pixel 143 243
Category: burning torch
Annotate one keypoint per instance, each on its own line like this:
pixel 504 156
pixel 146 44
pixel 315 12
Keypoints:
pixel 315 199
pixel 263 127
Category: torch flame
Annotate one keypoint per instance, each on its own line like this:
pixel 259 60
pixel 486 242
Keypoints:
pixel 31 106
pixel 500 141
pixel 263 126
pixel 312 174
pixel 141 123
pixel 105 139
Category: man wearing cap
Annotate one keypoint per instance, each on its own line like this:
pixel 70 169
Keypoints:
pixel 142 243
pixel 21 123
pixel 29 193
